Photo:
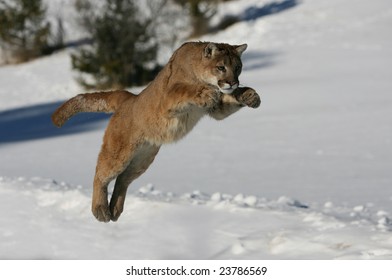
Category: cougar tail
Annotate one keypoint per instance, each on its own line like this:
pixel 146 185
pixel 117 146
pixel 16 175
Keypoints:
pixel 107 102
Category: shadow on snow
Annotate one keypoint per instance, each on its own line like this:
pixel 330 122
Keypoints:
pixel 253 13
pixel 34 122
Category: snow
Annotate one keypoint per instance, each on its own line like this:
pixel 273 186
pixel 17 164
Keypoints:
pixel 40 81
pixel 305 176
pixel 56 222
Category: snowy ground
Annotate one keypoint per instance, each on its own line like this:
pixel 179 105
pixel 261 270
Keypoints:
pixel 306 176
pixel 53 220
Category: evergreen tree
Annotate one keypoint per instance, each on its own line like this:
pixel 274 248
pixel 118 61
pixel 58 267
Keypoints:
pixel 200 12
pixel 122 46
pixel 24 31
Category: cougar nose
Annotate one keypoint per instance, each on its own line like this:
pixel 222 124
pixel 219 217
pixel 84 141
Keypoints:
pixel 232 83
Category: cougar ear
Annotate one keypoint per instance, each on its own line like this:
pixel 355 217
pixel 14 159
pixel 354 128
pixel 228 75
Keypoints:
pixel 210 50
pixel 241 48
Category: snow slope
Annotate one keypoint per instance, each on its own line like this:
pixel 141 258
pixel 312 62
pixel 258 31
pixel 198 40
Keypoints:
pixel 306 176
pixel 54 221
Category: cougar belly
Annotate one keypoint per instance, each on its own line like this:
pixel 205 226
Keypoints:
pixel 176 127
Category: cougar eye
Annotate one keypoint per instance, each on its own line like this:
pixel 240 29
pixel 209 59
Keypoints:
pixel 221 68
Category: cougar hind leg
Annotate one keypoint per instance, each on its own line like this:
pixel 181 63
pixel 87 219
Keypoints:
pixel 139 163
pixel 108 167
pixel 116 153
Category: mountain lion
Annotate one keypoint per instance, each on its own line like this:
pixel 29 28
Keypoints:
pixel 201 78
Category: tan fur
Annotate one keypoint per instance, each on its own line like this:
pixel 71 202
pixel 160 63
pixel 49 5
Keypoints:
pixel 188 87
pixel 107 102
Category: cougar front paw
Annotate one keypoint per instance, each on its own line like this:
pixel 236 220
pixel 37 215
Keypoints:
pixel 250 98
pixel 102 213
pixel 208 97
